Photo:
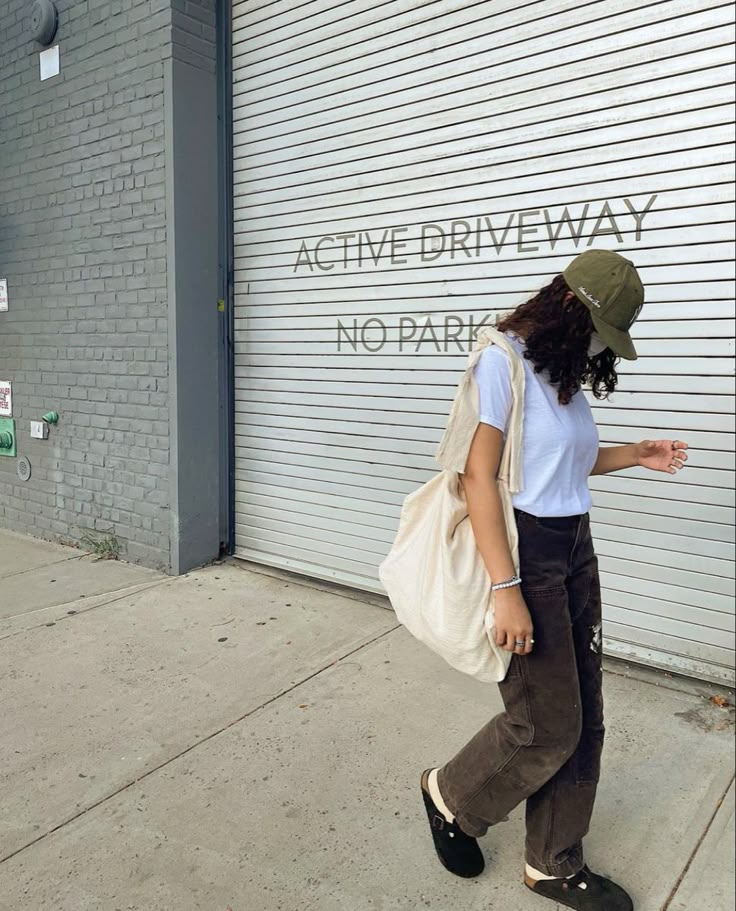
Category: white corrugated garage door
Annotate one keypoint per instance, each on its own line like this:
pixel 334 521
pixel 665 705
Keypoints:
pixel 403 170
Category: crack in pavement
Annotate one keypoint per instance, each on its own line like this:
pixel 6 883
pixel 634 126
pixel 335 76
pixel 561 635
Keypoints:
pixel 111 597
pixel 33 569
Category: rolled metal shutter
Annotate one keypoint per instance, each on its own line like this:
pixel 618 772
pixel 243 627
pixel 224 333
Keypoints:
pixel 404 170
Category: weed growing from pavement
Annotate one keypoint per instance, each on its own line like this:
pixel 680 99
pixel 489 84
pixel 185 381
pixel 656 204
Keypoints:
pixel 105 547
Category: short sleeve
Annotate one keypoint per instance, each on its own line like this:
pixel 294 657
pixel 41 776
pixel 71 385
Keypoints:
pixel 493 375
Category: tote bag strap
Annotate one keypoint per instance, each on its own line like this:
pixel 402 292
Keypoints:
pixel 452 452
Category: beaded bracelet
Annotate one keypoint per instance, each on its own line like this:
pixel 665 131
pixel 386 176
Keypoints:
pixel 514 580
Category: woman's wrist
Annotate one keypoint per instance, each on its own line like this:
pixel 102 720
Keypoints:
pixel 508 582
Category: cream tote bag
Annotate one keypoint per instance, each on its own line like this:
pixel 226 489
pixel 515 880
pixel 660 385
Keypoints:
pixel 434 574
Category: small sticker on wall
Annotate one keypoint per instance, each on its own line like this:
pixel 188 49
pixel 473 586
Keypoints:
pixel 6 399
pixel 3 294
pixel 49 62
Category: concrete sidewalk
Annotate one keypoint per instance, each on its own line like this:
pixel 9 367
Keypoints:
pixel 237 739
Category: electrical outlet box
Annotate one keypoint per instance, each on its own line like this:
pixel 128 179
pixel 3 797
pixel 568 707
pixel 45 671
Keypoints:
pixel 7 437
pixel 39 430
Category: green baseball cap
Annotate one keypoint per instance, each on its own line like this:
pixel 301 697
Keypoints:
pixel 609 286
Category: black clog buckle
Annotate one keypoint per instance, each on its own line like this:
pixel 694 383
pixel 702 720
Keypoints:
pixel 438 822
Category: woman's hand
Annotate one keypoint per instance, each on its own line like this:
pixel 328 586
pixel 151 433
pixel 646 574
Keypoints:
pixel 512 620
pixel 661 455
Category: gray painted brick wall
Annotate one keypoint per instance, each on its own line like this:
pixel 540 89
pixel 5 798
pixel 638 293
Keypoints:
pixel 194 35
pixel 83 245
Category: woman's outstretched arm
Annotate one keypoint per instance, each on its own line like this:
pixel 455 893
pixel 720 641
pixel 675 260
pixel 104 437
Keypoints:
pixel 658 455
pixel 615 458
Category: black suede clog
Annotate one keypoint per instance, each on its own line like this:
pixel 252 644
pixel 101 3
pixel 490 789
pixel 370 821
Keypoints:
pixel 586 891
pixel 458 852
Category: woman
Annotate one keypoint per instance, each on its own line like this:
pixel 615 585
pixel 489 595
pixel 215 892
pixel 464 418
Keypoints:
pixel 545 747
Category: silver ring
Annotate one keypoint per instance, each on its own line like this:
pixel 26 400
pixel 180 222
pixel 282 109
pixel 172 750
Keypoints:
pixel 520 642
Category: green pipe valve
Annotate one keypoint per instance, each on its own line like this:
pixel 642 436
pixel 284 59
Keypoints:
pixel 7 437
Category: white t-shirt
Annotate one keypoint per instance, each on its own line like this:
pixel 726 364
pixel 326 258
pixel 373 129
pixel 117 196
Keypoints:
pixel 560 442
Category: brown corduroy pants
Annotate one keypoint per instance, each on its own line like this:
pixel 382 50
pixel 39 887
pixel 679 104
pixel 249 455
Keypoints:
pixel 545 747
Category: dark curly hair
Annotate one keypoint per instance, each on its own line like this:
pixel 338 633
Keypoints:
pixel 557 336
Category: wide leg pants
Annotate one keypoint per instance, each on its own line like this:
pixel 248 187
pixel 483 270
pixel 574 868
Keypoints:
pixel 545 747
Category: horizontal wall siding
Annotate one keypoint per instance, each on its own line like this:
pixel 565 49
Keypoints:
pixel 405 171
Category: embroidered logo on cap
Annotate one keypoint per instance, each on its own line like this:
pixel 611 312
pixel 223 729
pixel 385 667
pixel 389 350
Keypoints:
pixel 636 314
pixel 593 300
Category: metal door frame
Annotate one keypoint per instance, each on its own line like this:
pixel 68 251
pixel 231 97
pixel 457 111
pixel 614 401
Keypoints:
pixel 226 365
